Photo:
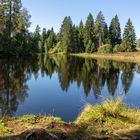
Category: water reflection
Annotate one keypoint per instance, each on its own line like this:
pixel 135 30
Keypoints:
pixel 88 73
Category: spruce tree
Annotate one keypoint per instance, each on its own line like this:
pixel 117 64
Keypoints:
pixel 81 36
pixel 75 47
pixel 37 38
pixel 88 31
pixel 106 39
pixel 99 28
pixel 115 31
pixel 66 35
pixel 129 35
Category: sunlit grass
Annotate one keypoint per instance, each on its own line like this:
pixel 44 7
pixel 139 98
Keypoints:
pixel 121 57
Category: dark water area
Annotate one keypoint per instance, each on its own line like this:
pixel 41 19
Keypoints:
pixel 62 85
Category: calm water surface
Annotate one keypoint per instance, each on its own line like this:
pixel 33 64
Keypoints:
pixel 62 85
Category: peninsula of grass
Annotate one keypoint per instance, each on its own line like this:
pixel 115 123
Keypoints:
pixel 133 57
pixel 108 120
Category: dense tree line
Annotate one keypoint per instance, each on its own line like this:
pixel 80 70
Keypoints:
pixel 91 36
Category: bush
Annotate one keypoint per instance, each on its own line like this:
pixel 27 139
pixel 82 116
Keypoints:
pixel 125 46
pixel 106 48
pixel 118 48
pixel 90 47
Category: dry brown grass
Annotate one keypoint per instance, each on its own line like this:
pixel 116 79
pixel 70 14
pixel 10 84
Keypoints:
pixel 133 57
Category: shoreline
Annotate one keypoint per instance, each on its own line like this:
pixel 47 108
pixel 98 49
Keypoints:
pixel 108 120
pixel 132 57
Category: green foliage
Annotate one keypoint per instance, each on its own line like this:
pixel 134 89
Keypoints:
pixel 32 119
pixel 112 108
pixel 106 39
pixel 90 47
pixel 115 31
pixel 50 41
pixel 13 26
pixel 56 49
pixel 88 30
pixel 76 45
pixel 40 46
pixel 66 35
pixel 105 48
pixel 99 27
pixel 118 48
pixel 109 112
pixel 129 35
pixel 81 37
pixel 17 40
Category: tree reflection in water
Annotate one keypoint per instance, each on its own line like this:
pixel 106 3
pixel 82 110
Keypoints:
pixel 91 74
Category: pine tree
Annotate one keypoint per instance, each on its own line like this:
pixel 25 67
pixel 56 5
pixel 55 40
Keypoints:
pixel 115 31
pixel 99 28
pixel 75 47
pixel 129 35
pixel 66 35
pixel 81 36
pixel 106 39
pixel 88 30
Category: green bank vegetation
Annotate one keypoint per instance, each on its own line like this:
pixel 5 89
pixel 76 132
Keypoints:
pixel 110 119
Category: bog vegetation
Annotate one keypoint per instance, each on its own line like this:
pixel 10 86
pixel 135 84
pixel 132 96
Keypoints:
pixel 91 36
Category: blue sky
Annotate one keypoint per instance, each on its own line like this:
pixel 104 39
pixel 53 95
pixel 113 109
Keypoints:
pixel 48 13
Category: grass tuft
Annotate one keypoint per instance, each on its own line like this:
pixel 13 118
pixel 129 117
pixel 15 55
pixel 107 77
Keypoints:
pixel 112 108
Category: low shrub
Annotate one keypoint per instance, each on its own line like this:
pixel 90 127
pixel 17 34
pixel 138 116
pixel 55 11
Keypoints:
pixel 90 47
pixel 106 48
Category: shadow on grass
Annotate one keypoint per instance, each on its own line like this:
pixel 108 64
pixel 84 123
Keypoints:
pixel 38 134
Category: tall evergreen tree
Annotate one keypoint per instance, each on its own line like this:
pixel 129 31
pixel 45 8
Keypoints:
pixel 75 47
pixel 81 36
pixel 106 39
pixel 44 35
pixel 88 31
pixel 66 35
pixel 37 37
pixel 15 23
pixel 99 28
pixel 115 31
pixel 129 35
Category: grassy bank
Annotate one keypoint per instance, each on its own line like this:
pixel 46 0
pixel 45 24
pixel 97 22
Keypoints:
pixel 109 120
pixel 122 57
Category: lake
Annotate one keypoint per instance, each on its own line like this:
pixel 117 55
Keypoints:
pixel 62 85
